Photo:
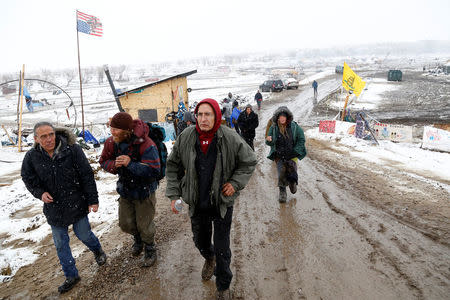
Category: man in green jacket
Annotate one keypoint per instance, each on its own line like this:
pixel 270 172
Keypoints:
pixel 287 146
pixel 208 166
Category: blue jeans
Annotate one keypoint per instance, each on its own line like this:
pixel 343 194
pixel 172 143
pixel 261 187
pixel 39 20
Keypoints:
pixel 83 232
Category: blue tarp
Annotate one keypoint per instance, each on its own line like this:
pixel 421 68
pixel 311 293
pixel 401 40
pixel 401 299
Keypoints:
pixel 88 137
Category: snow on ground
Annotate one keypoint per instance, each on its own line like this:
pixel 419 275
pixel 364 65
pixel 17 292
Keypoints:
pixel 403 156
pixel 371 96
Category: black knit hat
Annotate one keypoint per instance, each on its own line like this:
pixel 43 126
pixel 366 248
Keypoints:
pixel 122 120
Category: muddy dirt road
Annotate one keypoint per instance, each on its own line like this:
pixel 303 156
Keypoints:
pixel 353 230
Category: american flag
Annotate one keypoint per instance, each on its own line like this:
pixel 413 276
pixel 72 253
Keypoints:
pixel 89 24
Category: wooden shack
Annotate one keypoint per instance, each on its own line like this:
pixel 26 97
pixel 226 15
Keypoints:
pixel 152 102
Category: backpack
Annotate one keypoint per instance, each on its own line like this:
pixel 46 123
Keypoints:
pixel 158 135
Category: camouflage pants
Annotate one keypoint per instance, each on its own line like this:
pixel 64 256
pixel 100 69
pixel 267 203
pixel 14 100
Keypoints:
pixel 136 217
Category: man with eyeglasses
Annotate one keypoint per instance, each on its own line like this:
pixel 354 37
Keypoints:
pixel 208 166
pixel 57 172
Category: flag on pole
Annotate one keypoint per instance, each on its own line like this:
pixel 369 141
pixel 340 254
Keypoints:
pixel 89 24
pixel 351 81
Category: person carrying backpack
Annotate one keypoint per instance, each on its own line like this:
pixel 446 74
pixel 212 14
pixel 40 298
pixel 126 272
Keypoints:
pixel 131 154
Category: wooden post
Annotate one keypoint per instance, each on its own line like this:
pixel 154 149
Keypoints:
pixel 19 134
pixel 10 139
pixel 345 106
pixel 18 98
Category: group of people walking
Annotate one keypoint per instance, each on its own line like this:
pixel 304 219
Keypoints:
pixel 208 167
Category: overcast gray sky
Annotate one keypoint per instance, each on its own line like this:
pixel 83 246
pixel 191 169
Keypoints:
pixel 42 33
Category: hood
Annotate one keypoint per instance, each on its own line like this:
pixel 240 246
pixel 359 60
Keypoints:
pixel 248 106
pixel 280 110
pixel 188 117
pixel 216 109
pixel 140 130
pixel 65 133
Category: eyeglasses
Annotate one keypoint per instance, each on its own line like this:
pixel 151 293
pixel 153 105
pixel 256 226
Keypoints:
pixel 204 115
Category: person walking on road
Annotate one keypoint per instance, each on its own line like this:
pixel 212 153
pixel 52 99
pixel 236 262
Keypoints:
pixel 227 109
pixel 234 116
pixel 248 121
pixel 130 153
pixel 188 120
pixel 208 166
pixel 287 146
pixel 57 172
pixel 315 85
pixel 258 99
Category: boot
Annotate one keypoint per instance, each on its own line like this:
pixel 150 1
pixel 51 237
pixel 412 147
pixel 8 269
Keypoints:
pixel 100 257
pixel 68 284
pixel 224 295
pixel 149 255
pixel 293 187
pixel 137 246
pixel 283 194
pixel 208 268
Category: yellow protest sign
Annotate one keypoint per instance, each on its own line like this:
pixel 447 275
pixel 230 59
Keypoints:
pixel 351 81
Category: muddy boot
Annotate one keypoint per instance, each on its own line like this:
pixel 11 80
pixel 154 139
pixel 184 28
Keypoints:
pixel 224 295
pixel 100 257
pixel 293 187
pixel 149 255
pixel 68 284
pixel 283 194
pixel 136 249
pixel 208 268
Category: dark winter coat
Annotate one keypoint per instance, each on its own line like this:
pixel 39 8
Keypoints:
pixel 248 124
pixel 67 177
pixel 235 164
pixel 298 137
pixel 182 124
pixel 258 96
pixel 138 179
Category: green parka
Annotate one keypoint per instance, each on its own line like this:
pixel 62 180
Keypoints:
pixel 297 134
pixel 235 164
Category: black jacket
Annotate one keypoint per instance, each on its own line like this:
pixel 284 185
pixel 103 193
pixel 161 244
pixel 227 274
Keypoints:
pixel 67 177
pixel 248 124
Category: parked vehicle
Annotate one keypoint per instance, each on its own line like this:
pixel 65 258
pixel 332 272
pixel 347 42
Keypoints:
pixel 395 75
pixel 291 83
pixel 272 86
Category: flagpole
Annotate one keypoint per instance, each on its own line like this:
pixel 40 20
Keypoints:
pixel 19 134
pixel 79 72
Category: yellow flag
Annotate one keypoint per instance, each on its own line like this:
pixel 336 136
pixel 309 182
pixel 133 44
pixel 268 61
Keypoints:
pixel 351 81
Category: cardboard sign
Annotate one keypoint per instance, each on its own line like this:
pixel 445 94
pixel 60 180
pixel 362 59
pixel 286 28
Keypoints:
pixel 327 126
pixel 395 133
pixel 345 128
pixel 436 139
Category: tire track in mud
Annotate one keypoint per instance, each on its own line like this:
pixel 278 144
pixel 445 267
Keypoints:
pixel 406 248
pixel 376 245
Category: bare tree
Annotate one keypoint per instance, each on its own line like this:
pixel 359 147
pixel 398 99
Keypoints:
pixel 100 75
pixel 141 73
pixel 46 75
pixel 87 74
pixel 117 72
pixel 69 75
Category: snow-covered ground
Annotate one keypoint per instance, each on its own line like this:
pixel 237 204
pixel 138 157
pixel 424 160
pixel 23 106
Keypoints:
pixel 410 158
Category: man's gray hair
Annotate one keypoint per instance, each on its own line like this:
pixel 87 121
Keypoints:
pixel 40 124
